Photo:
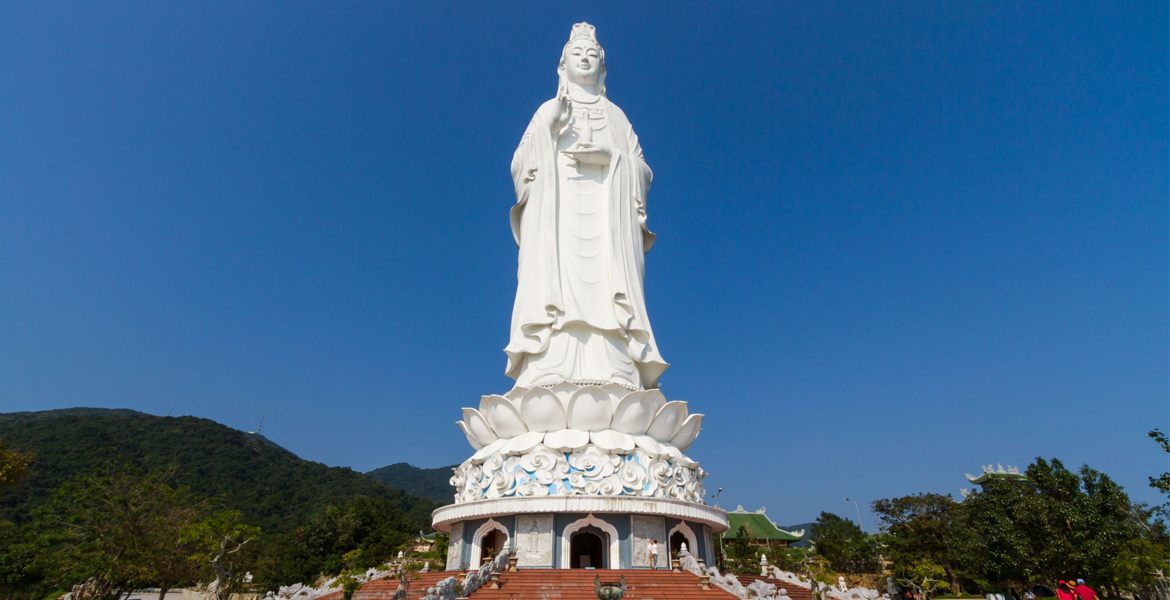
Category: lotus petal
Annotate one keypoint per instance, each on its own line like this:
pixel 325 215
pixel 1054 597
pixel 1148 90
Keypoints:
pixel 659 399
pixel 688 432
pixel 503 416
pixel 667 421
pixel 515 393
pixel 650 446
pixel 589 409
pixel 478 427
pixel 616 392
pixel 523 443
pixel 470 438
pixel 487 451
pixel 564 391
pixel 634 414
pixel 542 411
pixel 678 457
pixel 610 440
pixel 566 440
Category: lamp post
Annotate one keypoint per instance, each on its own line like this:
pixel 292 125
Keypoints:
pixel 859 523
pixel 716 497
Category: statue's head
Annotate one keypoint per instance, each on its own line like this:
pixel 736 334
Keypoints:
pixel 583 59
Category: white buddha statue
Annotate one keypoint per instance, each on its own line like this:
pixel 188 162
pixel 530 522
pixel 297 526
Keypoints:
pixel 580 222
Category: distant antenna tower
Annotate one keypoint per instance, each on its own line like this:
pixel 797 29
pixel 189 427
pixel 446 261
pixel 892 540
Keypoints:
pixel 170 409
pixel 261 425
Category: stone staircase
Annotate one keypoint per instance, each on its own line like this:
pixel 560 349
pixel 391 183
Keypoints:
pixel 794 591
pixel 574 584
pixel 577 584
pixel 383 589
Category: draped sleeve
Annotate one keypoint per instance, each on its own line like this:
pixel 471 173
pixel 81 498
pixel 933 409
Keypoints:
pixel 642 176
pixel 533 220
pixel 629 183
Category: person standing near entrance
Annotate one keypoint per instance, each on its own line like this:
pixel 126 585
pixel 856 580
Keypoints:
pixel 652 547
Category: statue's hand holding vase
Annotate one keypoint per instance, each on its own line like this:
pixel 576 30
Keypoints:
pixel 587 153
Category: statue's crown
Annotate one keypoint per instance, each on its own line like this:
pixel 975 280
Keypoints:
pixel 583 31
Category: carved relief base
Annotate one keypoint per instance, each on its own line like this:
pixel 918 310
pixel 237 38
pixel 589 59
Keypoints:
pixel 534 540
pixel 455 548
pixel 590 471
pixel 644 529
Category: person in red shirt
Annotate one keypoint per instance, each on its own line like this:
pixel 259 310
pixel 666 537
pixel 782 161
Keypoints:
pixel 1083 591
pixel 1063 592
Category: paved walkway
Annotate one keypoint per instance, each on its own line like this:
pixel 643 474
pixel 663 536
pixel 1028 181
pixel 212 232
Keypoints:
pixel 171 595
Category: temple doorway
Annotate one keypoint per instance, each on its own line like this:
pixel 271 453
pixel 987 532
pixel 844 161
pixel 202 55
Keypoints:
pixel 587 549
pixel 493 542
pixel 676 542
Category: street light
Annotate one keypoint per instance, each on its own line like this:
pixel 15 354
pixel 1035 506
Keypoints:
pixel 716 497
pixel 858 514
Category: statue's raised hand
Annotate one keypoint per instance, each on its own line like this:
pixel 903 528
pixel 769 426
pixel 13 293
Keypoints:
pixel 562 113
pixel 588 153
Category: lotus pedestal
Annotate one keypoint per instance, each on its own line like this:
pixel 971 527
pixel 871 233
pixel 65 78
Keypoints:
pixel 579 475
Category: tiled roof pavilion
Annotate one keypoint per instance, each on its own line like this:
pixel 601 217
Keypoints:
pixel 759 526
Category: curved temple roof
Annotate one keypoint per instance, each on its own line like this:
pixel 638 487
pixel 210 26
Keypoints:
pixel 759 526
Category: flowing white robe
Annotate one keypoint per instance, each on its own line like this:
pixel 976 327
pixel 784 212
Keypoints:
pixel 580 310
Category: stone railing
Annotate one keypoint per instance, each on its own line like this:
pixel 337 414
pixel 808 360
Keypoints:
pixel 446 589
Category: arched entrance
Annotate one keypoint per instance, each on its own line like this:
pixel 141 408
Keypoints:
pixel 599 529
pixel 682 534
pixel 587 549
pixel 488 541
pixel 493 542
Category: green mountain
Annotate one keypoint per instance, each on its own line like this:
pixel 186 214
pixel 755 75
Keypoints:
pixel 432 484
pixel 271 486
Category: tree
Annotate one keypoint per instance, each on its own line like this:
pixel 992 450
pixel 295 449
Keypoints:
pixel 1162 482
pixel 926 528
pixel 843 544
pixel 224 543
pixel 740 558
pixel 1059 522
pixel 442 542
pixel 115 528
pixel 320 544
pixel 925 577
pixel 813 567
pixel 15 554
pixel 348 579
pixel 1015 532
pixel 170 554
pixel 13 466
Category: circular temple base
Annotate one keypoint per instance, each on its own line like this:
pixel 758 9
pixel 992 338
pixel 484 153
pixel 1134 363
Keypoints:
pixel 714 518
pixel 578 531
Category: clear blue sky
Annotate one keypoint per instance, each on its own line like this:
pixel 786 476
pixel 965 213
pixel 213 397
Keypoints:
pixel 897 240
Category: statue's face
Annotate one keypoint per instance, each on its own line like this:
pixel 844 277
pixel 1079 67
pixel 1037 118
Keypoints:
pixel 583 62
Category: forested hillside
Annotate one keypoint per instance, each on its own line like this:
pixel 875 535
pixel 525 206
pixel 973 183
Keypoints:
pixel 432 484
pixel 76 509
pixel 270 486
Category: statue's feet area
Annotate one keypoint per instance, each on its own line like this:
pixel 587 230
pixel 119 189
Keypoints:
pixel 574 439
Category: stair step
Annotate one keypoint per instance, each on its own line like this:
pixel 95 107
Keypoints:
pixel 574 584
